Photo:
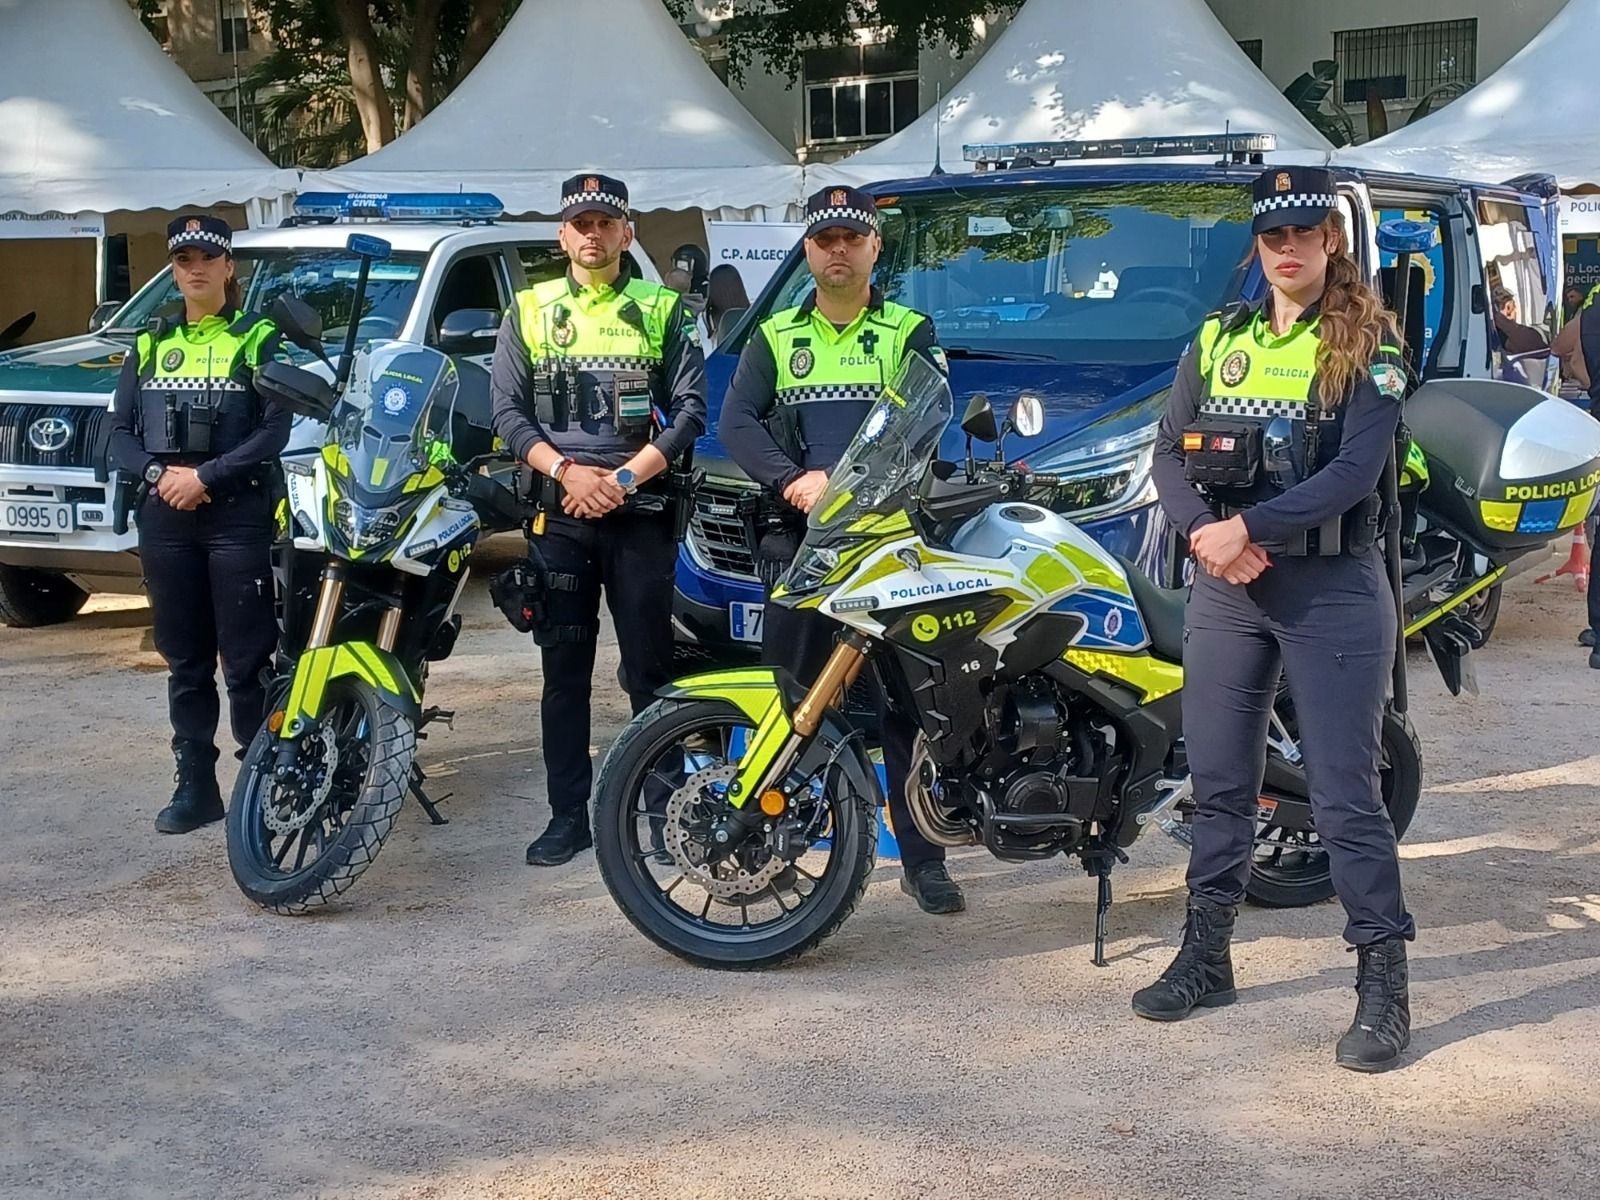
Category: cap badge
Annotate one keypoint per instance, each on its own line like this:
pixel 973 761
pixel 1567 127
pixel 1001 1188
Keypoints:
pixel 192 226
pixel 1234 368
pixel 591 184
pixel 1282 183
pixel 838 197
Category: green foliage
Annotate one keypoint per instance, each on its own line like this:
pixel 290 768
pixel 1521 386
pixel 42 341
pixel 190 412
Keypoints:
pixel 777 33
pixel 307 111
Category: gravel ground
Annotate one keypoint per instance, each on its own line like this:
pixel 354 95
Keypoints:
pixel 463 1026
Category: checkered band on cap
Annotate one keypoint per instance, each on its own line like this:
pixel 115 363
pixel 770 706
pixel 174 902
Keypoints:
pixel 190 237
pixel 1294 200
pixel 572 198
pixel 866 216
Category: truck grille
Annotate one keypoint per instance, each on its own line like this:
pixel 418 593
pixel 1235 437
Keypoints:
pixel 85 445
pixel 716 531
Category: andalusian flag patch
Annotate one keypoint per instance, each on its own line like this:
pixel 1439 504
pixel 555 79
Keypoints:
pixel 1391 380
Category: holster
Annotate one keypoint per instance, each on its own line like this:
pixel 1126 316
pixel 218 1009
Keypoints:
pixel 682 483
pixel 521 593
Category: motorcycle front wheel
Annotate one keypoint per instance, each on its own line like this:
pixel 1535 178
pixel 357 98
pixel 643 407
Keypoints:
pixel 788 886
pixel 296 848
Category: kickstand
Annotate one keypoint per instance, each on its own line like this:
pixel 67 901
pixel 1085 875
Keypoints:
pixel 1098 862
pixel 429 806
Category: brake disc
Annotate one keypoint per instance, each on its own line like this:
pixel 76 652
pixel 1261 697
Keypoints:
pixel 290 809
pixel 726 878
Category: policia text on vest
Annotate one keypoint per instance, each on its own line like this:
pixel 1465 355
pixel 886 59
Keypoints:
pixel 598 382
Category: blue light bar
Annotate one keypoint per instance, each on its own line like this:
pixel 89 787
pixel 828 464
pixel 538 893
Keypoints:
pixel 400 206
pixel 1042 154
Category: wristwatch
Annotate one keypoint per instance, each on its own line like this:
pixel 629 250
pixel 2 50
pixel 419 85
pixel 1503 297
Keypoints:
pixel 626 480
pixel 154 472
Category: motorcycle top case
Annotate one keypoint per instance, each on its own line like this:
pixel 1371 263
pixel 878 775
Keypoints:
pixel 1509 466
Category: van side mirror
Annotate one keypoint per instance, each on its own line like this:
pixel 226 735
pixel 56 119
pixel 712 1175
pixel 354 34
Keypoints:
pixel 468 329
pixel 1027 415
pixel 103 313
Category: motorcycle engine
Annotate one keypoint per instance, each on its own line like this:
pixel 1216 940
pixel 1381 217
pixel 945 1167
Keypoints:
pixel 1027 811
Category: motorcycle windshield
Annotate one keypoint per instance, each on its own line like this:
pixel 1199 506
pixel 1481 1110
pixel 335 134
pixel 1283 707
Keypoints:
pixel 383 422
pixel 883 467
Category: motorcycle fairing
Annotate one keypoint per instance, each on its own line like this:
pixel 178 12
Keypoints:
pixel 315 669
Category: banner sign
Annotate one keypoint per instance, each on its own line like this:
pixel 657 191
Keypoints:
pixel 1580 214
pixel 756 248
pixel 52 225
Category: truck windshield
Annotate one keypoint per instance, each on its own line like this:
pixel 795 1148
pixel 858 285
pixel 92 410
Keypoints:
pixel 323 278
pixel 1076 273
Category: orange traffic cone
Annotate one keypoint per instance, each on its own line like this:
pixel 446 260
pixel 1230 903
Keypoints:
pixel 1577 564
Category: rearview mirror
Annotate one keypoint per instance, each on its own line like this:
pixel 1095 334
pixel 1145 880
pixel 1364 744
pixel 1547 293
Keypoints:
pixel 297 321
pixel 468 327
pixel 103 313
pixel 297 389
pixel 1027 415
pixel 368 246
pixel 978 421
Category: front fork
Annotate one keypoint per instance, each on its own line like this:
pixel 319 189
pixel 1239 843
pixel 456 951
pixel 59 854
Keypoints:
pixel 779 739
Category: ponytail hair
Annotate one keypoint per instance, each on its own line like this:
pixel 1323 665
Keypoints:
pixel 1353 322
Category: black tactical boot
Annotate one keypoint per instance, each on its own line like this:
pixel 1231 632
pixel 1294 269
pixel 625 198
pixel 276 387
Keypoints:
pixel 1382 1028
pixel 1202 974
pixel 930 885
pixel 561 840
pixel 196 800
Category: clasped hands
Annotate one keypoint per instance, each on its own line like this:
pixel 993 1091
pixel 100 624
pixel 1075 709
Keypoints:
pixel 1224 549
pixel 180 488
pixel 590 491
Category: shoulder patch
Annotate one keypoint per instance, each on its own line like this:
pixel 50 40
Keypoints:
pixel 1391 380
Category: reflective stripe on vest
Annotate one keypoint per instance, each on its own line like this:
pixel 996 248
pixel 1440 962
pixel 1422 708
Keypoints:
pixel 818 363
pixel 200 367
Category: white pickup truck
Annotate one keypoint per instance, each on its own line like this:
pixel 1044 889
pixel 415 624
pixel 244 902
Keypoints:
pixel 64 530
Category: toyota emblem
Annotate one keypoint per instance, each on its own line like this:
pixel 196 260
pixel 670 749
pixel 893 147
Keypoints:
pixel 49 434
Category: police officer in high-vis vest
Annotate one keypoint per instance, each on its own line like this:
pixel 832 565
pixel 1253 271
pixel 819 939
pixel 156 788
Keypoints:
pixel 189 426
pixel 598 386
pixel 806 380
pixel 1578 347
pixel 1277 432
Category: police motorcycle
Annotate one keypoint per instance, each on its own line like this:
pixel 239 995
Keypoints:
pixel 733 820
pixel 1491 471
pixel 376 536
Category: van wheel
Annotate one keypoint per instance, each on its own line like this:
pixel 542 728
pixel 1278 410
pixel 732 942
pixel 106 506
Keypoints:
pixel 30 598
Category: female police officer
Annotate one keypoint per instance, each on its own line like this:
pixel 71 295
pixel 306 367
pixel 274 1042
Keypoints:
pixel 188 423
pixel 1277 431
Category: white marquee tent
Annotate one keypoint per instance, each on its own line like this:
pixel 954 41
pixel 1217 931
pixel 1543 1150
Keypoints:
pixel 95 118
pixel 616 88
pixel 1091 69
pixel 1536 113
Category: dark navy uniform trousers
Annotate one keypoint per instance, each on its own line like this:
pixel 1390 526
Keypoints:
pixel 208 572
pixel 1330 624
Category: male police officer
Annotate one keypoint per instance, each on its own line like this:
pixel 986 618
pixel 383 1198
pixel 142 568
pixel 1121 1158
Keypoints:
pixel 1578 347
pixel 598 384
pixel 806 380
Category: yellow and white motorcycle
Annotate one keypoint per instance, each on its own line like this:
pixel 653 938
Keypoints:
pixel 734 820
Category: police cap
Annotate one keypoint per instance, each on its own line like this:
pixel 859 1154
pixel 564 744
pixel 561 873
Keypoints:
pixel 201 232
pixel 841 208
pixel 593 192
pixel 1292 196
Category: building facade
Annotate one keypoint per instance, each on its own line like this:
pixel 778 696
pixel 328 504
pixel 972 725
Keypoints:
pixel 216 42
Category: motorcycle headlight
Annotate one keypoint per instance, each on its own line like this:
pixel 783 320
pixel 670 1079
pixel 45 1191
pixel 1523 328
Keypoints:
pixel 813 565
pixel 363 527
pixel 1105 466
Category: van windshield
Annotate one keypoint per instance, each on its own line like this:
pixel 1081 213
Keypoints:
pixel 1118 273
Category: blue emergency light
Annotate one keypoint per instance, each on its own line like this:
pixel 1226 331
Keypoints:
pixel 400 206
pixel 998 155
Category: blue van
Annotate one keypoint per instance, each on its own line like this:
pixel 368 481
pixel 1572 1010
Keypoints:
pixel 1084 282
